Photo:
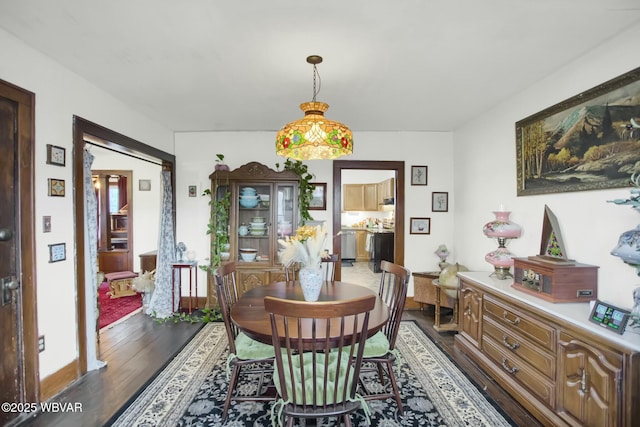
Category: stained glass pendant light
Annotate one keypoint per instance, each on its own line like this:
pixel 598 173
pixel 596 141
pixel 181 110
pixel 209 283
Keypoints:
pixel 314 136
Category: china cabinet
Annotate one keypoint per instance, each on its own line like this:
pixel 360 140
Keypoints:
pixel 263 209
pixel 563 369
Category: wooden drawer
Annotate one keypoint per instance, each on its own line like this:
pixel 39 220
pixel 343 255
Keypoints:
pixel 521 372
pixel 535 356
pixel 518 321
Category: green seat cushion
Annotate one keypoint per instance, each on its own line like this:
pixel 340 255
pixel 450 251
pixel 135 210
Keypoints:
pixel 333 368
pixel 376 346
pixel 248 348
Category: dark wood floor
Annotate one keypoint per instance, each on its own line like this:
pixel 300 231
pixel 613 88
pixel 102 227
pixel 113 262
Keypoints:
pixel 137 348
pixel 134 351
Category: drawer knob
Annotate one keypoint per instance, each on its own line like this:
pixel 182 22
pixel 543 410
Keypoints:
pixel 512 347
pixel 513 370
pixel 514 322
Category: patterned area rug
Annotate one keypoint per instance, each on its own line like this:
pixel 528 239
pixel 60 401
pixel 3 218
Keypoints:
pixel 115 309
pixel 190 391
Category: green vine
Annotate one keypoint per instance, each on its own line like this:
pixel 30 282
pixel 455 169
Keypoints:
pixel 218 226
pixel 208 315
pixel 306 191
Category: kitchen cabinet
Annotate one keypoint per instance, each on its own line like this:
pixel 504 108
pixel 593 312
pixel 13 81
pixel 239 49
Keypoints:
pixel 385 190
pixel 353 197
pixel 563 369
pixel 257 224
pixel 361 245
pixel 360 197
pixel 370 197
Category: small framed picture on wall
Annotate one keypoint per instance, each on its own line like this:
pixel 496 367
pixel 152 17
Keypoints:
pixel 55 155
pixel 439 201
pixel 418 175
pixel 319 200
pixel 420 226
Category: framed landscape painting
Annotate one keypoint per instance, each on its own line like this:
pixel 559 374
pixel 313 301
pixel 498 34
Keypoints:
pixel 588 142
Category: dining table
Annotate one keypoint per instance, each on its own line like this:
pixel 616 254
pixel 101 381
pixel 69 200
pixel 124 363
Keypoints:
pixel 250 316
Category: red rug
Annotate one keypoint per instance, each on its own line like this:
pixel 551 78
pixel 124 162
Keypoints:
pixel 115 309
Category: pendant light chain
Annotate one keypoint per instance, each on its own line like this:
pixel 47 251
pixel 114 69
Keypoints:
pixel 316 74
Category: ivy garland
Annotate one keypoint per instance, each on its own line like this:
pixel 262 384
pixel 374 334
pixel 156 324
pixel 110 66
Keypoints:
pixel 306 190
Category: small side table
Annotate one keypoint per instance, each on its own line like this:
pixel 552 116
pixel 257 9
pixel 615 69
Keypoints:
pixel 176 268
pixel 440 293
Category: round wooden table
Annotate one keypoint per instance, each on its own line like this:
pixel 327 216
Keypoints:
pixel 252 319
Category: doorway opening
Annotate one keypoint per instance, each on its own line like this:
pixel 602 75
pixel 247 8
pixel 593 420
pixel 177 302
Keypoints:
pixel 397 167
pixel 86 132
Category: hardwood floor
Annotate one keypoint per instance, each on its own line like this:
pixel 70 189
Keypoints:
pixel 134 351
pixel 137 348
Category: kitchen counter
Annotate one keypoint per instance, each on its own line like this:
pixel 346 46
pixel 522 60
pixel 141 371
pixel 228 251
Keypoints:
pixel 370 230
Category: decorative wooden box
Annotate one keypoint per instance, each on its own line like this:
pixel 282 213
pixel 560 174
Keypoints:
pixel 556 281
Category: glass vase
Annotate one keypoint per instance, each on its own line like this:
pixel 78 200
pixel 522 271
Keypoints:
pixel 311 281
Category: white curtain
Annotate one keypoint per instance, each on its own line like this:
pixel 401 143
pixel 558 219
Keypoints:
pixel 161 305
pixel 91 262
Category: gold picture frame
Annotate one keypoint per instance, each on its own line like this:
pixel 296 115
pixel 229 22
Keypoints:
pixel 587 142
pixel 56 187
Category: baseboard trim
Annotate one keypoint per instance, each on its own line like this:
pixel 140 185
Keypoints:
pixel 59 380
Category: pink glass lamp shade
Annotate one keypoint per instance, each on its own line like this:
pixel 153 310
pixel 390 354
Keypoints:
pixel 502 229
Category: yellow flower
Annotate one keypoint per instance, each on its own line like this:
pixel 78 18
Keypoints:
pixel 306 247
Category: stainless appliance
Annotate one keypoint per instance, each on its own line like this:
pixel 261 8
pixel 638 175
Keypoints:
pixel 381 249
pixel 348 245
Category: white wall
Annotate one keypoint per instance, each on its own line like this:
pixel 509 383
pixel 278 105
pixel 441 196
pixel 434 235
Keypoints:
pixel 195 160
pixel 485 177
pixel 61 94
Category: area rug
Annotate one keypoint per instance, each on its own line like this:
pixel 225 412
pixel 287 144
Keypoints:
pixel 116 308
pixel 190 391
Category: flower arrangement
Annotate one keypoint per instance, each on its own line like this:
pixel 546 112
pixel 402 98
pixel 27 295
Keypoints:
pixel 306 247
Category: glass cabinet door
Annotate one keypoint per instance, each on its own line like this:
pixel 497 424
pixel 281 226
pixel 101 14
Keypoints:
pixel 285 210
pixel 254 222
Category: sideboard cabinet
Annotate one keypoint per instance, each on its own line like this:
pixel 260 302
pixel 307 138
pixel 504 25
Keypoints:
pixel 256 224
pixel 563 369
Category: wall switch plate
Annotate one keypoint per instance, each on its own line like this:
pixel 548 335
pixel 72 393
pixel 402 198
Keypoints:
pixel 46 224
pixel 40 343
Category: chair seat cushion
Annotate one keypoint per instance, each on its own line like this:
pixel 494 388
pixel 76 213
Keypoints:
pixel 376 346
pixel 248 348
pixel 336 372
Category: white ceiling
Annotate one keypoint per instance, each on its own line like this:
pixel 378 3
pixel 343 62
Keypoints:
pixel 207 65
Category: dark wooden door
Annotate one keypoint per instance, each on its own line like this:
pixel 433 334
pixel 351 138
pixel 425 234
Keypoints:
pixel 17 325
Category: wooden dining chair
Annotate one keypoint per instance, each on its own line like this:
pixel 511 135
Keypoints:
pixel 379 349
pixel 246 356
pixel 317 376
pixel 291 271
pixel 329 266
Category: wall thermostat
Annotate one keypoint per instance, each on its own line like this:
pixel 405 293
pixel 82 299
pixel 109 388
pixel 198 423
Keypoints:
pixel 609 316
